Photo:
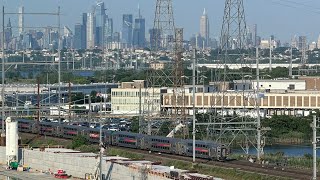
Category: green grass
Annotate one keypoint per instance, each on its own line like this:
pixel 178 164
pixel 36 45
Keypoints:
pixel 118 152
pixel 225 173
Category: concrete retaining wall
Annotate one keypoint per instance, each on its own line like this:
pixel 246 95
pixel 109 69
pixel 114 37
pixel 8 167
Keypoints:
pixel 77 166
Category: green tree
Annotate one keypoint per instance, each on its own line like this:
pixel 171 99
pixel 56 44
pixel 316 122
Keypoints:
pixel 78 141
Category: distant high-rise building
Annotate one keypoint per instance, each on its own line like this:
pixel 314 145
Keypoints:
pixel 67 37
pixel 294 42
pixel 255 40
pixel 205 28
pixel 312 46
pixel 127 29
pixel 91 24
pixel 84 31
pixel 21 20
pixel 153 34
pixel 139 31
pixel 8 33
pixel 77 39
pixel 318 43
pixel 101 17
pixel 302 43
pixel 109 31
pixel 116 37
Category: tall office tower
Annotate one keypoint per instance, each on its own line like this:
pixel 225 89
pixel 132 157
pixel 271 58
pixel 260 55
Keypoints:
pixel 46 37
pixel 318 43
pixel 84 31
pixel 249 40
pixel 205 28
pixel 91 24
pixel 154 33
pixel 108 31
pixel 67 37
pixel 116 36
pixel 294 42
pixel 127 29
pixel 302 42
pixel 21 20
pixel 139 31
pixel 77 39
pixel 303 48
pixel 254 36
pixel 101 17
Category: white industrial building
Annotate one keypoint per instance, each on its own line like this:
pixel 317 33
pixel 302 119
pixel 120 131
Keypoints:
pixel 270 85
pixel 126 101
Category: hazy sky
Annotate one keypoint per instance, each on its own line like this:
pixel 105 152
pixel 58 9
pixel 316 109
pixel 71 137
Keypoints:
pixel 283 18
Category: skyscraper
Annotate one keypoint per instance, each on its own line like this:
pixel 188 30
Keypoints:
pixel 205 28
pixel 153 40
pixel 127 29
pixel 302 43
pixel 139 31
pixel 254 36
pixel 318 43
pixel 21 20
pixel 84 31
pixel 77 39
pixel 109 31
pixel 101 17
pixel 91 24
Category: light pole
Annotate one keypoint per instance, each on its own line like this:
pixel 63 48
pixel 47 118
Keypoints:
pixel 101 150
pixel 314 127
pixel 194 109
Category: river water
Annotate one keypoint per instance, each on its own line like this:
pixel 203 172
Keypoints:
pixel 288 150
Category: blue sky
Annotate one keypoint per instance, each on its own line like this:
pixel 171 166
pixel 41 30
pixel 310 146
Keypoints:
pixel 283 18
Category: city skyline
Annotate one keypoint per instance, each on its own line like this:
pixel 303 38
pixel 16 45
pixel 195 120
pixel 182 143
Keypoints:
pixel 257 12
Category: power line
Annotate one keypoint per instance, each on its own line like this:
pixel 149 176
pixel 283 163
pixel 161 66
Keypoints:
pixel 296 5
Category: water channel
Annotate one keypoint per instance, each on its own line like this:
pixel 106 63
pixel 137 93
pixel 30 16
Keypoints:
pixel 288 150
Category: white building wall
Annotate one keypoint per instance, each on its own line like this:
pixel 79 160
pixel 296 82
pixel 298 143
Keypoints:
pixel 281 85
pixel 126 101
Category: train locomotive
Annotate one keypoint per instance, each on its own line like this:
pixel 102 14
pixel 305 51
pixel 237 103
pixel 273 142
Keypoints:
pixel 204 149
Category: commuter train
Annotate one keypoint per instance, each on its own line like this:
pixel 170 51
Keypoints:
pixel 204 149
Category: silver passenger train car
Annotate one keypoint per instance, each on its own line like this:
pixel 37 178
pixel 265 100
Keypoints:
pixel 184 147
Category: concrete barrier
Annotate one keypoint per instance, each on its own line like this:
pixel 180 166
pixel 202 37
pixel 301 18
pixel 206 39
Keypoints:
pixel 78 164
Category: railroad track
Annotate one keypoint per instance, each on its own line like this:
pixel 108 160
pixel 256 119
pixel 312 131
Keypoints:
pixel 231 164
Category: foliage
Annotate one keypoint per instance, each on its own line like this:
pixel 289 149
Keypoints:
pixel 288 126
pixel 135 124
pixel 124 153
pixel 78 141
pixel 88 148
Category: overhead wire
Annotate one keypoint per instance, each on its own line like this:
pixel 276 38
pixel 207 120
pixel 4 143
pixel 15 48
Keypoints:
pixel 296 5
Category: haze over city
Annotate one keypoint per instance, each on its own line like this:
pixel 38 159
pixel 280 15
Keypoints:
pixel 282 18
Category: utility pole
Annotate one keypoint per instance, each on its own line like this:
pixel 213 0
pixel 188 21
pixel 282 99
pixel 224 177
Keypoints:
pixel 100 152
pixel 38 102
pixel 194 107
pixel 69 94
pixel 59 66
pixel 3 134
pixel 315 127
pixel 140 111
pixel 259 150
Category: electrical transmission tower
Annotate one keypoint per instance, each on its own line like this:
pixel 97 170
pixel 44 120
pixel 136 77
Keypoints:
pixel 166 42
pixel 229 122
